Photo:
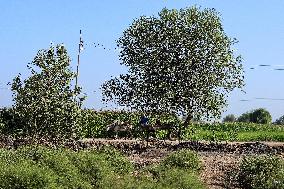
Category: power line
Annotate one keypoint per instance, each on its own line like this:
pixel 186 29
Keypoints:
pixel 262 98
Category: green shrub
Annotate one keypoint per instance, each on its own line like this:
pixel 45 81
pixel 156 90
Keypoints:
pixel 10 123
pixel 118 162
pixel 279 121
pixel 91 166
pixel 184 159
pixel 260 115
pixel 165 178
pixel 57 161
pixel 41 167
pixel 25 174
pixel 261 172
pixel 230 118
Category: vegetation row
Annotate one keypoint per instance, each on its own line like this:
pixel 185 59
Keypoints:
pixel 42 167
pixel 93 125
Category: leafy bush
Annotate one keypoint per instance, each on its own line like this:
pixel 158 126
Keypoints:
pixel 10 123
pixel 260 116
pixel 94 122
pixel 230 118
pixel 67 174
pixel 184 159
pixel 46 103
pixel 25 174
pixel 118 162
pixel 261 172
pixel 280 121
pixel 64 168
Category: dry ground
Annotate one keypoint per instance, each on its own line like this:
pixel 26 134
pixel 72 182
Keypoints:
pixel 217 164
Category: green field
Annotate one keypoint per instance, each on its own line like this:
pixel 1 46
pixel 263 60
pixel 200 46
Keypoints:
pixel 235 132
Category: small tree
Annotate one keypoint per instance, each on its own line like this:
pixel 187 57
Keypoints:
pixel 260 116
pixel 280 121
pixel 45 102
pixel 245 117
pixel 230 118
pixel 180 62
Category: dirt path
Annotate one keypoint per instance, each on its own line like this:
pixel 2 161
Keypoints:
pixel 216 167
pixel 173 142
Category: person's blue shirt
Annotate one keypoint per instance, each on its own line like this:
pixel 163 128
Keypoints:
pixel 144 120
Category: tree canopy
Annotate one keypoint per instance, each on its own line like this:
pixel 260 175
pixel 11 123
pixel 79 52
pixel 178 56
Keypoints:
pixel 230 118
pixel 180 61
pixel 260 115
pixel 280 121
pixel 45 102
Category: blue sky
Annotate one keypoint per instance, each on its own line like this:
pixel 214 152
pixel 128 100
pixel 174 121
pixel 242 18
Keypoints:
pixel 27 26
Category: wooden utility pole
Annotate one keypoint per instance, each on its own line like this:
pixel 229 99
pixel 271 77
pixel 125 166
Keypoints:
pixel 78 59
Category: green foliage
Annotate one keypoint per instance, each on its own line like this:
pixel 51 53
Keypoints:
pixel 45 102
pixel 41 167
pixel 25 174
pixel 10 123
pixel 279 121
pixel 180 62
pixel 183 159
pixel 165 179
pixel 117 161
pixel 230 118
pixel 234 132
pixel 262 172
pixel 60 168
pixel 260 115
pixel 245 117
pixel 94 122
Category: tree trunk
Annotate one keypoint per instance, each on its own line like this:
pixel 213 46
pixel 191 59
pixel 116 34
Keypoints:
pixel 187 120
pixel 185 125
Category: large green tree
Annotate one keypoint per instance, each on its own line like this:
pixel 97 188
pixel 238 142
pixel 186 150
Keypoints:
pixel 46 103
pixel 260 116
pixel 180 61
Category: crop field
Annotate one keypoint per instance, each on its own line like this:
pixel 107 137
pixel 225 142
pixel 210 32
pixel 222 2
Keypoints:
pixel 95 127
pixel 235 132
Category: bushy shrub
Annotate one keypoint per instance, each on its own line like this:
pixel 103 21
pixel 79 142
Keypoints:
pixel 279 121
pixel 25 174
pixel 10 123
pixel 62 168
pixel 261 172
pixel 184 159
pixel 46 102
pixel 118 162
pixel 245 117
pixel 230 118
pixel 260 116
pixel 67 174
pixel 41 167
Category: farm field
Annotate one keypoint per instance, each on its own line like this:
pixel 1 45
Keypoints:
pixel 160 94
pixel 94 126
pixel 130 161
pixel 237 132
